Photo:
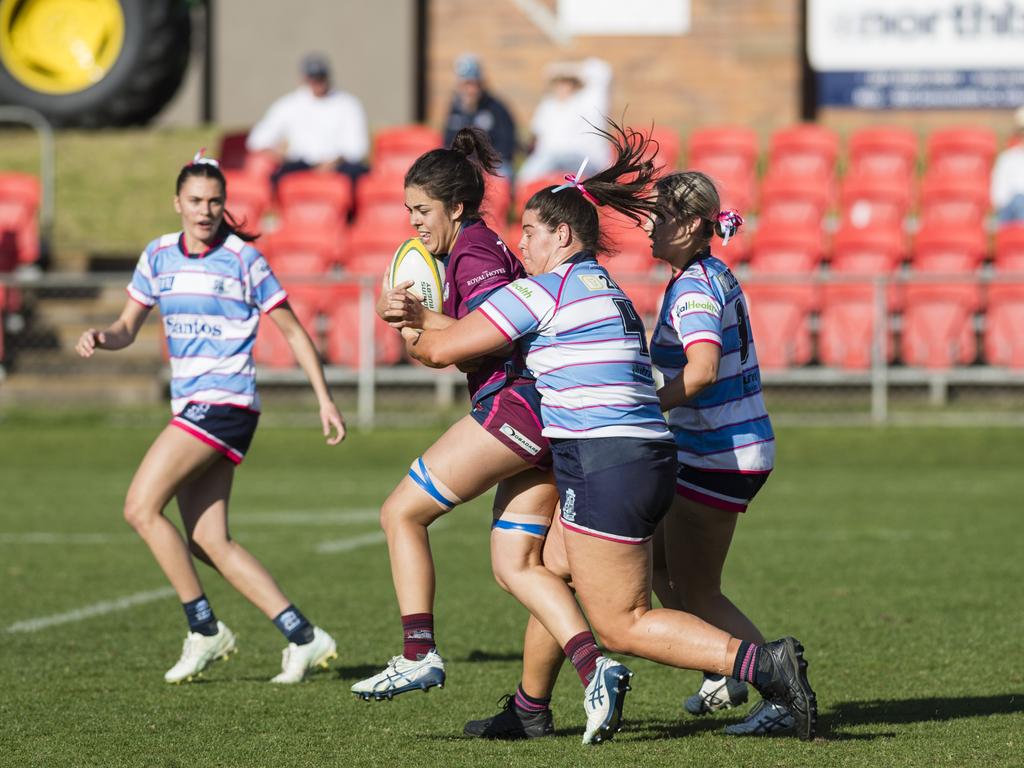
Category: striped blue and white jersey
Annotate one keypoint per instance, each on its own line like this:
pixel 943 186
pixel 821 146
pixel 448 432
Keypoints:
pixel 726 426
pixel 210 306
pixel 586 346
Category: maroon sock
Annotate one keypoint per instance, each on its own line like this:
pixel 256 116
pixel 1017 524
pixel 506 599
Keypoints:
pixel 583 652
pixel 417 635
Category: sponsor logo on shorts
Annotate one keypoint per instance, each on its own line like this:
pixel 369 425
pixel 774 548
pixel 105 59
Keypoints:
pixel 513 434
pixel 485 275
pixel 197 411
pixel 569 506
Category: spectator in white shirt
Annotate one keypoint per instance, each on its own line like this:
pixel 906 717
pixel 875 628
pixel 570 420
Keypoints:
pixel 314 127
pixel 563 125
pixel 1008 176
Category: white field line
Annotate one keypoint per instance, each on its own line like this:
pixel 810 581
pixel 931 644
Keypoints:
pixel 96 609
pixel 140 598
pixel 46 537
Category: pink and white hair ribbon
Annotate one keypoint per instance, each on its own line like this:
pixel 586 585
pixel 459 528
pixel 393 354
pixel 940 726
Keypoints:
pixel 729 221
pixel 576 180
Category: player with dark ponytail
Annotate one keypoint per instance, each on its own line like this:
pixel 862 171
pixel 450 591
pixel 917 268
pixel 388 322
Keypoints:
pixel 613 455
pixel 498 443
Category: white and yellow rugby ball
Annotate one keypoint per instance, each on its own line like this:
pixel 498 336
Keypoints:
pixel 412 261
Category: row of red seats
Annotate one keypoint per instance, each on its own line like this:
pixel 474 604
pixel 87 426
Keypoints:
pixel 794 325
pixel 20 195
pixel 880 162
pixel 936 323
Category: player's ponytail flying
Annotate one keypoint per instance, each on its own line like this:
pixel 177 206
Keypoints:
pixel 625 186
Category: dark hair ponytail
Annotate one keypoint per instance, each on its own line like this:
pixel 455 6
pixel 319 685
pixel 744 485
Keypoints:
pixel 209 169
pixel 625 186
pixel 456 175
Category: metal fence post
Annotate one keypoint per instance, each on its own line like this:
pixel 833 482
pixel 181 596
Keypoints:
pixel 366 387
pixel 879 361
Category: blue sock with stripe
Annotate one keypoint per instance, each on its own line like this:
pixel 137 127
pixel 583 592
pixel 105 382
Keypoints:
pixel 200 616
pixel 294 626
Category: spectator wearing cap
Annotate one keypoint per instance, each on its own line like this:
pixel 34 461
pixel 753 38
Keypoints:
pixel 563 124
pixel 1008 176
pixel 315 127
pixel 474 106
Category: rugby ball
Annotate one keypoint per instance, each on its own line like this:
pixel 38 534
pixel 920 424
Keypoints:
pixel 412 261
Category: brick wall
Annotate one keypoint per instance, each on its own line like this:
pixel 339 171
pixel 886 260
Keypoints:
pixel 739 64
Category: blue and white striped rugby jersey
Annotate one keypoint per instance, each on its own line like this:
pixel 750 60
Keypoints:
pixel 210 306
pixel 586 346
pixel 725 427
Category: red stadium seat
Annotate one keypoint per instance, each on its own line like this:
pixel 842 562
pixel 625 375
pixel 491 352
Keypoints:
pixel 1009 249
pixel 793 200
pixel 729 157
pixel 372 247
pixel 938 324
pixel 883 151
pixel 232 152
pixel 669 147
pixel 315 199
pixel 20 195
pixel 874 200
pixel 395 149
pixel 725 151
pixel 780 321
pixel 846 330
pixel 272 349
pixel 261 165
pixel 948 248
pixel 248 198
pixel 381 196
pixel 807 150
pixel 497 201
pixel 1004 319
pixel 954 199
pixel 305 251
pixel 962 151
pixel 343 331
pixel 644 292
pixel 787 249
pixel 874 250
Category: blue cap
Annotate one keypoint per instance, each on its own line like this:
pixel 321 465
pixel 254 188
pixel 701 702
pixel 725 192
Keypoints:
pixel 467 67
pixel 315 65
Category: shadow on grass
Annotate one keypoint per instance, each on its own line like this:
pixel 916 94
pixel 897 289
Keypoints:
pixel 897 711
pixel 478 655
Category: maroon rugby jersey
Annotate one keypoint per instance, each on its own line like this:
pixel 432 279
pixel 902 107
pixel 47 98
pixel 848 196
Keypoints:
pixel 478 263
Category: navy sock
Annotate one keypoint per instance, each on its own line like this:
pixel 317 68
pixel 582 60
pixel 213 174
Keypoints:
pixel 528 703
pixel 200 616
pixel 744 668
pixel 294 626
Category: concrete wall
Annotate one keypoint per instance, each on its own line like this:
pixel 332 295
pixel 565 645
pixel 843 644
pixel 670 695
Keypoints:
pixel 257 46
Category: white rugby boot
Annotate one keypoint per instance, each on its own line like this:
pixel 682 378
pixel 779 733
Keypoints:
pixel 716 693
pixel 401 676
pixel 603 700
pixel 765 719
pixel 199 651
pixel 298 660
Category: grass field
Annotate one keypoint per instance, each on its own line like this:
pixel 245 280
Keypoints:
pixel 895 555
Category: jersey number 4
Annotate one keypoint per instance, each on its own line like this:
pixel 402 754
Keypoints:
pixel 632 323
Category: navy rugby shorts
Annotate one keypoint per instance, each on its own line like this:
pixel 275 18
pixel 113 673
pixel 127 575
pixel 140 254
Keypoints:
pixel 615 488
pixel 728 491
pixel 225 428
pixel 512 416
